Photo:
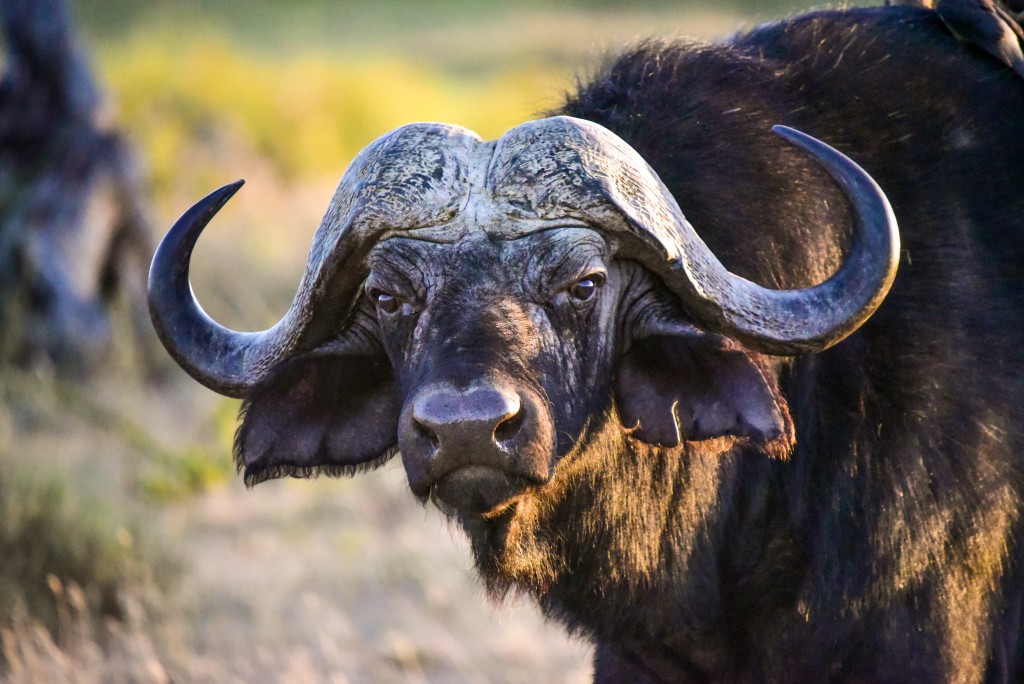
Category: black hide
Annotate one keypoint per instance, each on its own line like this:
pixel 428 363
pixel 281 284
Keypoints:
pixel 853 515
pixel 888 546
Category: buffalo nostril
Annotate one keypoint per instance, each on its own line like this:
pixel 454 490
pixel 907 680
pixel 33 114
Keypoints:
pixel 426 433
pixel 509 427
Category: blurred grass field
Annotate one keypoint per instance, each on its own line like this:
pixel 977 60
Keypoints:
pixel 122 525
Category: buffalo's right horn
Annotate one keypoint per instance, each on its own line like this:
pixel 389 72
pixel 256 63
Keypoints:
pixel 412 177
pixel 226 361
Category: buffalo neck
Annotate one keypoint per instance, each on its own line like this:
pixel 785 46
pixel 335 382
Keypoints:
pixel 602 549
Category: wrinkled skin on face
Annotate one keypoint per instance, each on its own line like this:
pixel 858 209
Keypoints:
pixel 504 350
pixel 491 358
pixel 527 318
pixel 524 316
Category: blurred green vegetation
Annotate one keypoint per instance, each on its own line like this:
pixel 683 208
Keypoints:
pixel 70 534
pixel 177 476
pixel 211 87
pixel 306 114
pixel 355 25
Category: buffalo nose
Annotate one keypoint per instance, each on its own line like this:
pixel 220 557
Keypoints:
pixel 478 417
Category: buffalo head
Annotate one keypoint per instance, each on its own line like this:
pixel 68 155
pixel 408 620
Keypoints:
pixel 481 305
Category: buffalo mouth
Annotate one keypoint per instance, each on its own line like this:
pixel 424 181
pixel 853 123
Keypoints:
pixel 474 448
pixel 477 490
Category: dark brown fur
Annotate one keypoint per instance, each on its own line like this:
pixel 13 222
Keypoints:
pixel 883 544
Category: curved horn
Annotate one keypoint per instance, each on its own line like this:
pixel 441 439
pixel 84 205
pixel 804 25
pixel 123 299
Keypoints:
pixel 212 354
pixel 410 178
pixel 810 319
pixel 562 162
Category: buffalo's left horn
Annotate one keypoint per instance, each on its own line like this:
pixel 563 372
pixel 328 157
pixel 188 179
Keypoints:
pixel 814 318
pixel 783 322
pixel 563 162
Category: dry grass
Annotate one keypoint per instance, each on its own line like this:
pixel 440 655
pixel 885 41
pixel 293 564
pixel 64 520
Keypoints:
pixel 355 583
pixel 81 649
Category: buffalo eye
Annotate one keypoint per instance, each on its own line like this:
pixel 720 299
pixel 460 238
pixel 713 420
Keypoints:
pixel 387 303
pixel 585 288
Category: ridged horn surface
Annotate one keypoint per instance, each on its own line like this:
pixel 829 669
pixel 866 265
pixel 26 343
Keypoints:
pixel 412 177
pixel 576 168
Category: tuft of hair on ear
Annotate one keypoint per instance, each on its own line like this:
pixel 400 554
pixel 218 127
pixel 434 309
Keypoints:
pixel 253 476
pixel 318 414
pixel 780 448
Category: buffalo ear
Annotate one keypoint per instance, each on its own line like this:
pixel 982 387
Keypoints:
pixel 320 413
pixel 678 383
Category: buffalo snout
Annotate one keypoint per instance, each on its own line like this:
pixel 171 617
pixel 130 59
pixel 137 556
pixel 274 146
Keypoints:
pixel 479 418
pixel 474 448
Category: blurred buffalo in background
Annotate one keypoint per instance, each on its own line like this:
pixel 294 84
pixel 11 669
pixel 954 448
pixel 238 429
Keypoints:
pixel 73 229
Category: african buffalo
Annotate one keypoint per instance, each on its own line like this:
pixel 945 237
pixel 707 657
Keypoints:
pixel 674 461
